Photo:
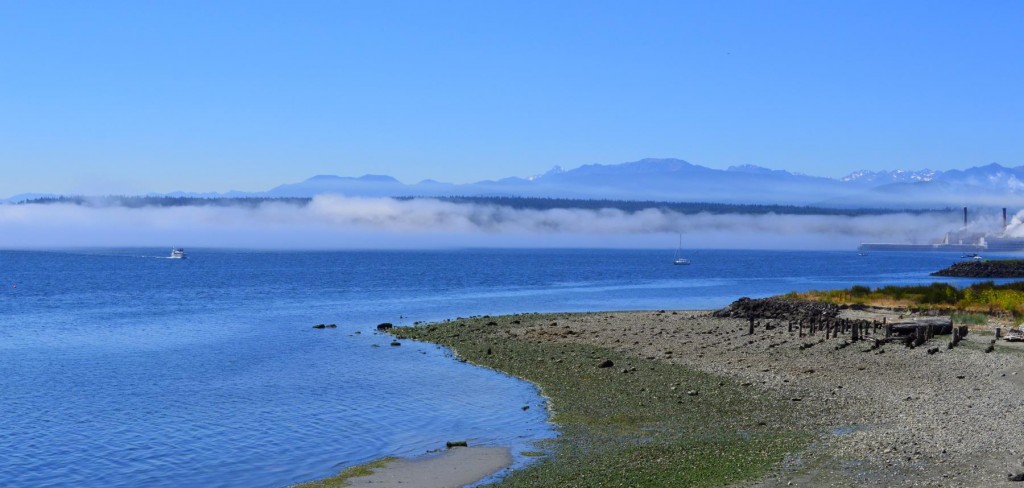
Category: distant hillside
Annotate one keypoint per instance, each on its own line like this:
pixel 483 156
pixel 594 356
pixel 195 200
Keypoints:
pixel 160 201
pixel 678 207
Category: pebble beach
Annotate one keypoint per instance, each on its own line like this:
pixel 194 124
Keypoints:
pixel 862 414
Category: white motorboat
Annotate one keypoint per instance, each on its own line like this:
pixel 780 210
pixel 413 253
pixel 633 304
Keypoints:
pixel 177 253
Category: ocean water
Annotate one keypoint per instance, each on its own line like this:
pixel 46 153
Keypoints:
pixel 120 368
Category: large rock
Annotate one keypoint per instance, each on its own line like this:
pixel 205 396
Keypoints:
pixel 779 308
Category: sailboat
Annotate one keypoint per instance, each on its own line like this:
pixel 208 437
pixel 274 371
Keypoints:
pixel 679 259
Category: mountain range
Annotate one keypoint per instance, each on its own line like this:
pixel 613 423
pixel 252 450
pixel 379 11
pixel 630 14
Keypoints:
pixel 678 180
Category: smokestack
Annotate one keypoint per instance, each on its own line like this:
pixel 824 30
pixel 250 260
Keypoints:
pixel 965 216
pixel 1004 219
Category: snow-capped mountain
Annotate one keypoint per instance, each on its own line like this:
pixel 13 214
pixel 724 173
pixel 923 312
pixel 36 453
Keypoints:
pixel 679 180
pixel 895 176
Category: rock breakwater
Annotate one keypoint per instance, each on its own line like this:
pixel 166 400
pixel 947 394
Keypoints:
pixel 1003 268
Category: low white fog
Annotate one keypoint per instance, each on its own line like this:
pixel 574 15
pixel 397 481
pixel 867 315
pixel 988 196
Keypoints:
pixel 337 222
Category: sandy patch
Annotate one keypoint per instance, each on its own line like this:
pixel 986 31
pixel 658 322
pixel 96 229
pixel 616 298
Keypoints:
pixel 458 466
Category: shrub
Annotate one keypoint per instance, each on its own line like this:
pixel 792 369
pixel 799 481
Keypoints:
pixel 860 290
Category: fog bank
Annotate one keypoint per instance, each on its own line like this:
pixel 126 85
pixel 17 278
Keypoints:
pixel 337 222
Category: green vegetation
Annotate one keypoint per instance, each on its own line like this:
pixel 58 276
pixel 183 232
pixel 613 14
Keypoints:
pixel 973 302
pixel 637 423
pixel 970 318
pixel 341 479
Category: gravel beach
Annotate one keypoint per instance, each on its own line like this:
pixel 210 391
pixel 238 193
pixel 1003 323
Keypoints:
pixel 746 396
pixel 890 416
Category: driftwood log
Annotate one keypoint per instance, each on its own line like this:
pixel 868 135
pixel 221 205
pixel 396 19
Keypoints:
pixel 939 326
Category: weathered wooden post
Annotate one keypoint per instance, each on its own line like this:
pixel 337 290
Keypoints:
pixel 790 326
pixel 751 331
pixel 854 334
pixel 999 332
pixel 800 329
pixel 888 331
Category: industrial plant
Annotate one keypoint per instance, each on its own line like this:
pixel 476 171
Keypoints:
pixel 964 240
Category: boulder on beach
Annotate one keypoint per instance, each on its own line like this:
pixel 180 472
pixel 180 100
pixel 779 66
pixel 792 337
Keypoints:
pixel 385 326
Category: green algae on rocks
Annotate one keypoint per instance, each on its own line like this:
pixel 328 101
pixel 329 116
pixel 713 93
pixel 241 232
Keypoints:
pixel 625 420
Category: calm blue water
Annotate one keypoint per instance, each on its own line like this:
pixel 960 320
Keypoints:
pixel 120 368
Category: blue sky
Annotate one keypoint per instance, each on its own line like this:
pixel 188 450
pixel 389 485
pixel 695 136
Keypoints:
pixel 132 97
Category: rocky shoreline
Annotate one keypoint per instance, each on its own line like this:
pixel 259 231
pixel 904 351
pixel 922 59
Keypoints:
pixel 1001 268
pixel 828 409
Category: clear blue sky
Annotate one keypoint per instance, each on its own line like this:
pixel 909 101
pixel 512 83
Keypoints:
pixel 129 97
